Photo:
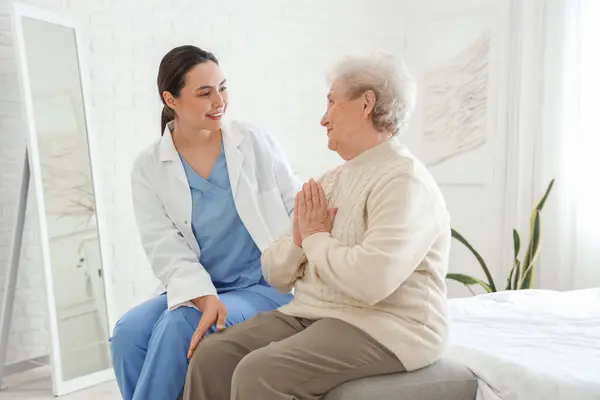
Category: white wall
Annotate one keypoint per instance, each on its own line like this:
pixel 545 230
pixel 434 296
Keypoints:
pixel 275 55
pixel 492 189
pixel 474 182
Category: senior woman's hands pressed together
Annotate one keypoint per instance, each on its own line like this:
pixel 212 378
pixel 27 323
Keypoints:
pixel 312 213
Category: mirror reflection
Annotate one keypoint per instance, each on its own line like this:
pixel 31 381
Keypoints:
pixel 68 197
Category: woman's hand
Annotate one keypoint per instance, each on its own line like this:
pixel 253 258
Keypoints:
pixel 314 215
pixel 213 310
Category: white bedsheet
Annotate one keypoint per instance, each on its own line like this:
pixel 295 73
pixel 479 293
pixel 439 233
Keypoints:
pixel 531 344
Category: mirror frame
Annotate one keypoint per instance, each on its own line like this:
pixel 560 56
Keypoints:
pixel 20 11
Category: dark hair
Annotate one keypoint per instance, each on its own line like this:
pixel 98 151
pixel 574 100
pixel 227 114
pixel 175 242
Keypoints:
pixel 171 74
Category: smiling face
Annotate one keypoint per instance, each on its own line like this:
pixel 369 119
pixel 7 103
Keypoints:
pixel 202 102
pixel 346 119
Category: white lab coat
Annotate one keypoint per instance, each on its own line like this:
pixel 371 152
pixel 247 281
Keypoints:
pixel 263 187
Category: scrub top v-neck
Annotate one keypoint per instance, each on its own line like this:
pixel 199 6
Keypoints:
pixel 227 250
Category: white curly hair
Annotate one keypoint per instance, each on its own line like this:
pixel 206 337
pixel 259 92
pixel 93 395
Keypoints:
pixel 388 77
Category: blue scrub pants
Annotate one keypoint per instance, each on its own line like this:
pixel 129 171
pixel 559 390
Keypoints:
pixel 150 343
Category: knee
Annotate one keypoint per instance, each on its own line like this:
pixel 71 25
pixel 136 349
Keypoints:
pixel 252 373
pixel 205 362
pixel 179 320
pixel 127 336
pixel 132 332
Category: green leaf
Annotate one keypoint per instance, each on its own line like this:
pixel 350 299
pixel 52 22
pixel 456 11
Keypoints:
pixel 517 243
pixel 534 241
pixel 532 252
pixel 464 241
pixel 509 284
pixel 542 201
pixel 515 273
pixel 469 280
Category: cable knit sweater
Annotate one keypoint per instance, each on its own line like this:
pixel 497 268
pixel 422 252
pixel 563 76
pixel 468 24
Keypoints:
pixel 382 268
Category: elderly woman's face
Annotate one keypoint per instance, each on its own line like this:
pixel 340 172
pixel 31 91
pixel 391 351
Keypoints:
pixel 343 120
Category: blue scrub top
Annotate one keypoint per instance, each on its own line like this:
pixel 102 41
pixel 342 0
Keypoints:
pixel 227 250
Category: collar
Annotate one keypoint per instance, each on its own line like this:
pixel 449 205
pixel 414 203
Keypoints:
pixel 232 137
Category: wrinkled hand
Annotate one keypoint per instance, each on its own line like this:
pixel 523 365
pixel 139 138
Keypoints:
pixel 314 214
pixel 213 310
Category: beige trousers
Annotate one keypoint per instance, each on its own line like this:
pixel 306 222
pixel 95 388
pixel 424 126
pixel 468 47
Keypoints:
pixel 277 357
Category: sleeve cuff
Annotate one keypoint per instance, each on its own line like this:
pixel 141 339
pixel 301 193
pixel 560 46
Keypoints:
pixel 313 243
pixel 181 295
pixel 296 254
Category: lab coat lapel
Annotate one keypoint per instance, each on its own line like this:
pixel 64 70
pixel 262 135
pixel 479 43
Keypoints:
pixel 244 194
pixel 179 189
pixel 232 138
pixel 168 153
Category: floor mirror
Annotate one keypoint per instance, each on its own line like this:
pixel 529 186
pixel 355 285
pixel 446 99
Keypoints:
pixel 61 163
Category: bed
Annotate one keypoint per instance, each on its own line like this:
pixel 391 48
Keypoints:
pixel 529 344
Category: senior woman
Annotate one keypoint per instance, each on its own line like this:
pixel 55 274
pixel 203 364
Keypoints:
pixel 367 255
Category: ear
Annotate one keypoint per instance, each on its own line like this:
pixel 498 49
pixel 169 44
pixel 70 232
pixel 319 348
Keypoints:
pixel 169 100
pixel 369 99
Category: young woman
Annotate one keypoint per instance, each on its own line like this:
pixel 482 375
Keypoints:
pixel 209 196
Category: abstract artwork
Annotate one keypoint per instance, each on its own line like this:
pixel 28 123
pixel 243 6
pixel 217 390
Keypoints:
pixel 455 103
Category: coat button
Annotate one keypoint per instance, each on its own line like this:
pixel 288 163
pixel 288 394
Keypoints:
pixel 185 222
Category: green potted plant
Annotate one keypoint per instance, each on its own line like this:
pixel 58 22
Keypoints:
pixel 521 273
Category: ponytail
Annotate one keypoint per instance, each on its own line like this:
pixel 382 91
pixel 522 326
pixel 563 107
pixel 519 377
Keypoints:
pixel 167 115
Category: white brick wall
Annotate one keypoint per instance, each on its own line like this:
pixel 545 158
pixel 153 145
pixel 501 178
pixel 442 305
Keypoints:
pixel 275 54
